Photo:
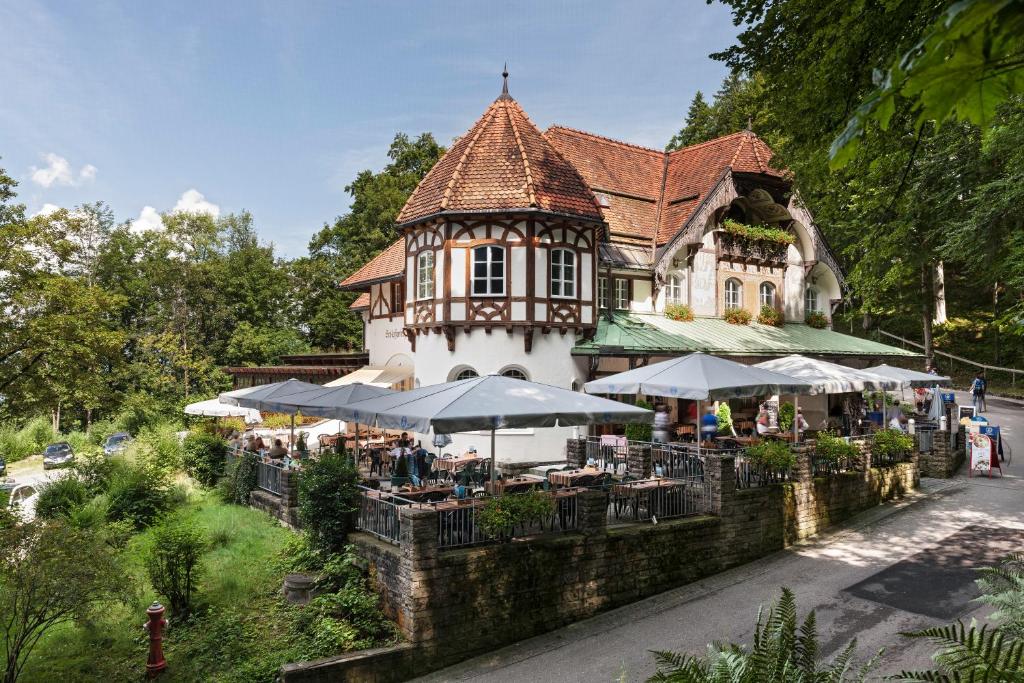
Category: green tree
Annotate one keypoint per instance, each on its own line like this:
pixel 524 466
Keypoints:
pixel 50 574
pixel 697 126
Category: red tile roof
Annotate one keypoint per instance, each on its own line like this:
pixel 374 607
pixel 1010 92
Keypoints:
pixel 502 163
pixel 362 301
pixel 637 180
pixel 386 265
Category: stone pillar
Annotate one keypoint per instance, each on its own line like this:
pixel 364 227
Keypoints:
pixel 576 452
pixel 418 545
pixel 638 462
pixel 720 471
pixel 289 488
pixel 803 471
pixel 592 511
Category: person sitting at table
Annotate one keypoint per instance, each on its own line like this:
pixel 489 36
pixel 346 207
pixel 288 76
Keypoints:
pixel 420 458
pixel 801 422
pixel 403 441
pixel 278 451
pixel 764 421
pixel 709 424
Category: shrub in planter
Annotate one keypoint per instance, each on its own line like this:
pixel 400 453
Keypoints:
pixel 640 432
pixel 772 454
pixel 724 418
pixel 174 563
pixel 499 516
pixel 203 457
pixel 817 320
pixel 770 316
pixel 737 316
pixel 891 443
pixel 61 497
pixel 680 312
pixel 834 449
pixel 328 498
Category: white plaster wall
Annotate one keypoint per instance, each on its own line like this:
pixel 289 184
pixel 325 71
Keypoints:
pixel 824 280
pixel 384 338
pixel 793 282
pixel 540 274
pixel 586 276
pixel 458 274
pixel 642 302
pixel 549 362
pixel 703 280
pixel 518 272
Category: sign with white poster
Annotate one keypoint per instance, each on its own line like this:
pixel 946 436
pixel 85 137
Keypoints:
pixel 981 454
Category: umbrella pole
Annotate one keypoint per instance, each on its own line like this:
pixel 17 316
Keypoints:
pixel 700 416
pixel 494 486
pixel 796 418
pixel 357 444
pixel 291 439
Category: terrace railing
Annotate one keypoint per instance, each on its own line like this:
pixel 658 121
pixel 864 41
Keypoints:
pixel 751 474
pixel 677 460
pixel 268 477
pixel 674 459
pixel 609 453
pixel 657 499
pixel 458 525
pixel 380 516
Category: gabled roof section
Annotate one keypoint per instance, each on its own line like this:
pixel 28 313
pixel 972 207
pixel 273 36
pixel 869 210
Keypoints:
pixel 362 301
pixel 386 265
pixel 502 163
pixel 638 181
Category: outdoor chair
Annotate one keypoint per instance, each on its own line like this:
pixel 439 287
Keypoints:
pixel 586 480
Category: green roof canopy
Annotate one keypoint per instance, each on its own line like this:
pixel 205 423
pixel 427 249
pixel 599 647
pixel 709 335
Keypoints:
pixel 654 334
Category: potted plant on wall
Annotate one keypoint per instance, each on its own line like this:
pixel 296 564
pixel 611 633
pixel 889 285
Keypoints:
pixel 737 316
pixel 679 312
pixel 769 315
pixel 500 517
pixel 817 320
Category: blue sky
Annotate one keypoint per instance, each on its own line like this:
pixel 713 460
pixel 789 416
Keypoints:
pixel 274 106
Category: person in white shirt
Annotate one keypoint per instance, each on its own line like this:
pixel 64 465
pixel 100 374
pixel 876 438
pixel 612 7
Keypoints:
pixel 801 422
pixel 763 421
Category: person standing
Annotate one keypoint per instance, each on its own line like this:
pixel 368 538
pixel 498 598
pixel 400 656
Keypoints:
pixel 709 424
pixel 978 392
pixel 661 423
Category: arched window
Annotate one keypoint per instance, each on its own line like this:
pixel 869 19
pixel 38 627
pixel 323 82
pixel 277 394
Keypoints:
pixel 766 292
pixel 811 300
pixel 514 373
pixel 674 289
pixel 733 293
pixel 563 273
pixel 489 271
pixel 425 275
pixel 465 373
pixel 575 386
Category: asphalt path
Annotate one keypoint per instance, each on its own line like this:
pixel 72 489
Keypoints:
pixel 896 568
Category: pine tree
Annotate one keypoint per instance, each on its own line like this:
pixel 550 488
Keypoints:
pixel 698 126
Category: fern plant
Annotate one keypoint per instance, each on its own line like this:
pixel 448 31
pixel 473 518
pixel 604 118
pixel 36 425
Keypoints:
pixel 782 652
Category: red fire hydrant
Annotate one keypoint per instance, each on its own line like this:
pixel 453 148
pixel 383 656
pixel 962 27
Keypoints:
pixel 155 626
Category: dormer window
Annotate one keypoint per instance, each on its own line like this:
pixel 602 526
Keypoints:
pixel 563 273
pixel 425 275
pixel 602 200
pixel 488 271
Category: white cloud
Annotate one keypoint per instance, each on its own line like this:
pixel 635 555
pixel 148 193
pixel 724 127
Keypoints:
pixel 46 210
pixel 149 219
pixel 58 171
pixel 193 201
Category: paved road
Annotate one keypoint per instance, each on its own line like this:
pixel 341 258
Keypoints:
pixel 896 568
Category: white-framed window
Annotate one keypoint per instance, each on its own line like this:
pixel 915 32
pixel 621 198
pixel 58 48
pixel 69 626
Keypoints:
pixel 733 293
pixel 674 289
pixel 465 373
pixel 515 373
pixel 622 294
pixel 488 277
pixel 766 293
pixel 602 292
pixel 425 275
pixel 563 273
pixel 811 300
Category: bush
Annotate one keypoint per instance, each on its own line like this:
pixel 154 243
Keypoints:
pixel 239 480
pixel 770 316
pixel 499 516
pixel 787 413
pixel 348 614
pixel 139 411
pixel 640 432
pixel 157 446
pixel 817 320
pixel 61 497
pixel 174 563
pixel 680 312
pixel 328 497
pixel 891 443
pixel 30 439
pixel 95 470
pixel 203 457
pixel 724 415
pixel 137 494
pixel 737 316
pixel 831 447
pixel 773 454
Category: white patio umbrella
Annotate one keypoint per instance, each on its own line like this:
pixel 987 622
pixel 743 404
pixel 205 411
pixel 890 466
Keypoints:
pixel 829 378
pixel 910 378
pixel 325 401
pixel 699 377
pixel 214 408
pixel 262 396
pixel 489 403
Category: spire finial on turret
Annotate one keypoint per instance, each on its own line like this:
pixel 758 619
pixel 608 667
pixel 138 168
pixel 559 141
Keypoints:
pixel 504 84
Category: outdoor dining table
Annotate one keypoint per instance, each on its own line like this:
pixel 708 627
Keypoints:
pixel 519 484
pixel 741 440
pixel 457 463
pixel 426 493
pixel 571 477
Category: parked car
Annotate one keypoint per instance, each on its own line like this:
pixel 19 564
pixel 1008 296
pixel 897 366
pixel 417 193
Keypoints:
pixel 58 455
pixel 3 467
pixel 23 501
pixel 116 443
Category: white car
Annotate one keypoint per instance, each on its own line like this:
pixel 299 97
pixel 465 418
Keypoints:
pixel 23 501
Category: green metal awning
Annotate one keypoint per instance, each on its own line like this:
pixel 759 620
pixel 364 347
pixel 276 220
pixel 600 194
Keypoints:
pixel 654 334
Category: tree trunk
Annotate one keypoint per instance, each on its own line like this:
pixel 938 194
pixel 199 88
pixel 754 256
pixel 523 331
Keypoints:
pixel 939 290
pixel 927 314
pixel 995 320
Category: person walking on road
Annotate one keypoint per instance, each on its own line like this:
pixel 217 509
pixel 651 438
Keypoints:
pixel 978 392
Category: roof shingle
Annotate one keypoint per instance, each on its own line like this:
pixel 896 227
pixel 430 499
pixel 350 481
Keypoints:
pixel 384 266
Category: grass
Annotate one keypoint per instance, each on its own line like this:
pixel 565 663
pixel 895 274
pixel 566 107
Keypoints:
pixel 239 632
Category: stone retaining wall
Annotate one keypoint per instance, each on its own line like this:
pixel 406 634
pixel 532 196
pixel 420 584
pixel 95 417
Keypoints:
pixel 285 506
pixel 457 603
pixel 945 458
